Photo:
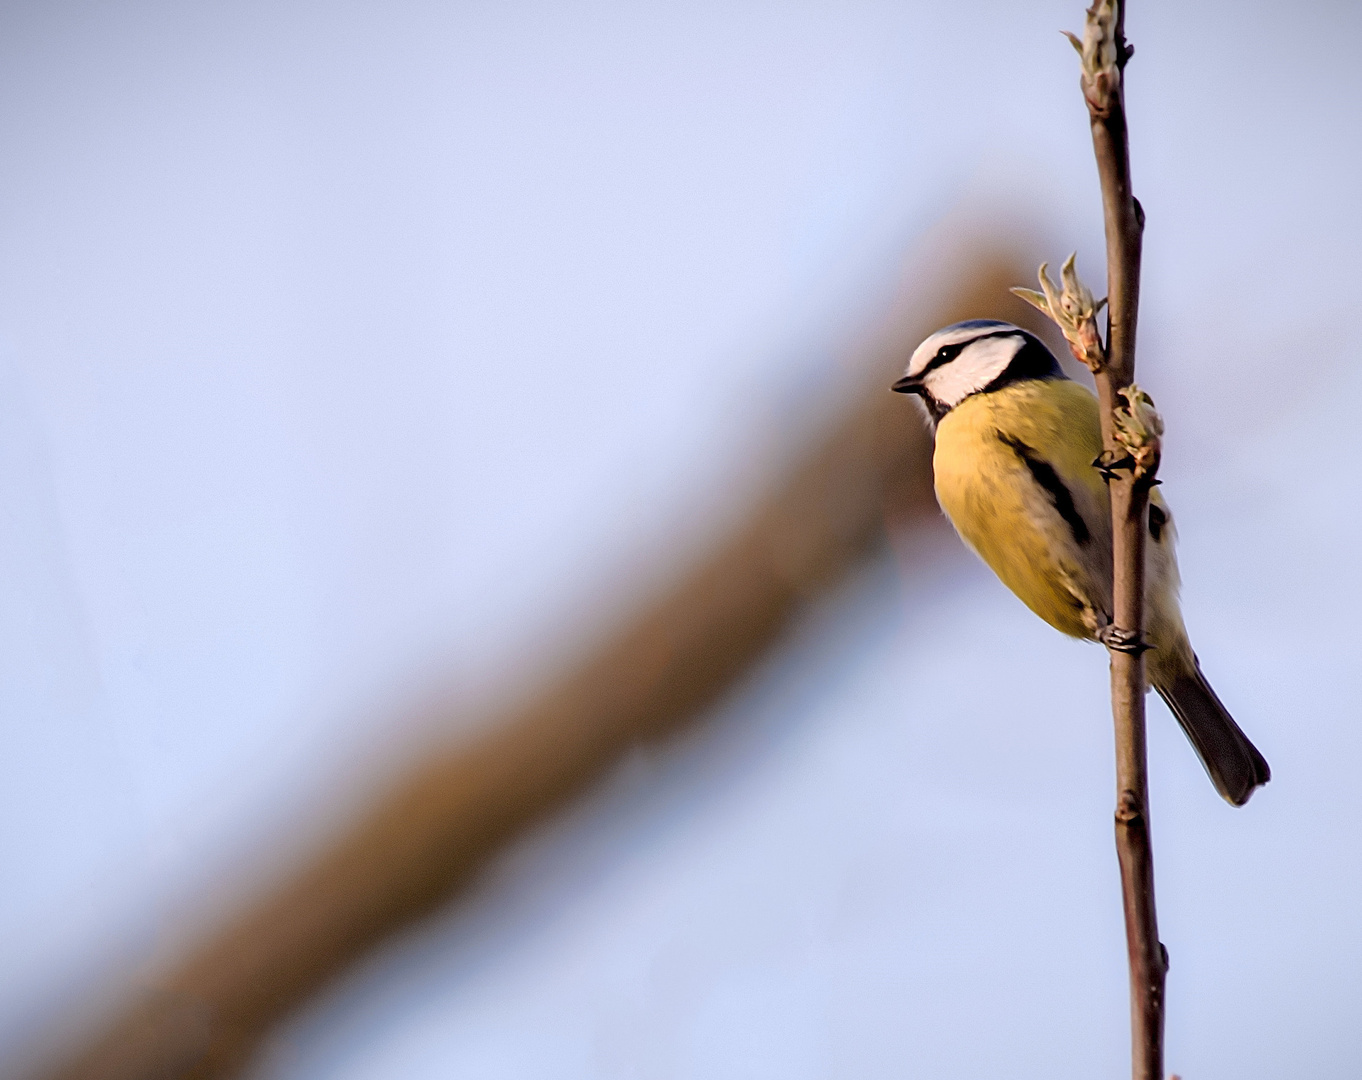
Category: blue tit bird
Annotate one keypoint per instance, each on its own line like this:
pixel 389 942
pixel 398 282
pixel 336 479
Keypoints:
pixel 1016 440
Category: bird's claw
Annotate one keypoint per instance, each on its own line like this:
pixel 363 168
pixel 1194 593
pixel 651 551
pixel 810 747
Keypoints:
pixel 1126 641
pixel 1107 463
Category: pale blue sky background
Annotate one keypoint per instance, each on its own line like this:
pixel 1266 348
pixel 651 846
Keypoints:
pixel 348 350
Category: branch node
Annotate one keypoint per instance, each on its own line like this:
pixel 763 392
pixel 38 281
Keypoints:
pixel 1129 809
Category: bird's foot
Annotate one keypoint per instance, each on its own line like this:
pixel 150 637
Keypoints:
pixel 1108 463
pixel 1126 641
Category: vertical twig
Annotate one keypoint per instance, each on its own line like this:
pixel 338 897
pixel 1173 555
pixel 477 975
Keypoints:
pixel 1130 459
pixel 1104 53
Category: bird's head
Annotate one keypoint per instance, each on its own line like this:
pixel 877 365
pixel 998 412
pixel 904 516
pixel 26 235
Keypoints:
pixel 974 357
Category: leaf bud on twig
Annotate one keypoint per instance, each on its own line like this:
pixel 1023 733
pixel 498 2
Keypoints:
pixel 1138 431
pixel 1073 310
pixel 1101 57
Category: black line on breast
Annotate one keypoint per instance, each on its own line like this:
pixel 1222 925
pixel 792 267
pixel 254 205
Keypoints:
pixel 1044 474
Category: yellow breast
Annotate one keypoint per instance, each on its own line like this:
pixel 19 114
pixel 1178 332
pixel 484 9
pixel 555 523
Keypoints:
pixel 1014 473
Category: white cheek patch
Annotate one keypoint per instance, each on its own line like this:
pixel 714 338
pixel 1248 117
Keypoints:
pixel 977 366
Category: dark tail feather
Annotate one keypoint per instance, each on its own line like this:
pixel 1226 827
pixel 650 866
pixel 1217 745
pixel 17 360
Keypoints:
pixel 1234 764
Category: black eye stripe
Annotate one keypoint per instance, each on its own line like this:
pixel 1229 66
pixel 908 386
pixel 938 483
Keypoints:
pixel 947 353
pixel 944 356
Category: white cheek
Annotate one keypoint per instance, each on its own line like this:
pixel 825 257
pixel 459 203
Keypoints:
pixel 950 387
pixel 975 368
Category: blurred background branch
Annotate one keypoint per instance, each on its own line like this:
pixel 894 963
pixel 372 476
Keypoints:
pixel 436 826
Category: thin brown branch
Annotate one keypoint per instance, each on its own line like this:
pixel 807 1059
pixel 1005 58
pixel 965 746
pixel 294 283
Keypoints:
pixel 431 832
pixel 1131 459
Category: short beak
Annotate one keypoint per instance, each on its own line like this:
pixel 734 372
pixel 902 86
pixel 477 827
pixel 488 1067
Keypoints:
pixel 909 384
